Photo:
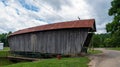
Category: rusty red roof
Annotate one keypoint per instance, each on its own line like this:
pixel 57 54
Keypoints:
pixel 89 23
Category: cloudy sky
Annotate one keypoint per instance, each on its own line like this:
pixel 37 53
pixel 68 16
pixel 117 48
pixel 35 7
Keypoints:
pixel 19 14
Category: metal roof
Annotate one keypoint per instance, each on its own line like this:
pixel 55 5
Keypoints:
pixel 88 23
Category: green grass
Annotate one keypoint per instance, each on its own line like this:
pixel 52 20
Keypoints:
pixel 118 48
pixel 4 52
pixel 6 49
pixel 4 61
pixel 94 51
pixel 64 62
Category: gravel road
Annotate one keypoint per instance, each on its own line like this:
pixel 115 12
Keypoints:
pixel 109 58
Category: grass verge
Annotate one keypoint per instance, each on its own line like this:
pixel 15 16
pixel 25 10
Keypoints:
pixel 4 62
pixel 6 49
pixel 64 62
pixel 5 52
pixel 118 48
pixel 94 51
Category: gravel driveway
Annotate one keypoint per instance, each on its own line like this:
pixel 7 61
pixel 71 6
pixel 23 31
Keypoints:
pixel 109 58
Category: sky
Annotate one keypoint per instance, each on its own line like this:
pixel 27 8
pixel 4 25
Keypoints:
pixel 20 14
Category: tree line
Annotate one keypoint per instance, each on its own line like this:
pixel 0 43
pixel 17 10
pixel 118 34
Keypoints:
pixel 112 37
pixel 4 38
pixel 101 40
pixel 113 28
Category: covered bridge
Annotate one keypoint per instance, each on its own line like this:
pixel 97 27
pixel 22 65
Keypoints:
pixel 57 38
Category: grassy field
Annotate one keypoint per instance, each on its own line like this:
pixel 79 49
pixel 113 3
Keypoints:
pixel 94 51
pixel 6 49
pixel 4 62
pixel 64 62
pixel 118 48
pixel 4 52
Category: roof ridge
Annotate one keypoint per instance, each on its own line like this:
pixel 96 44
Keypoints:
pixel 88 23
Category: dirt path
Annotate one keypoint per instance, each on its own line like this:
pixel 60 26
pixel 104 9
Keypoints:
pixel 109 58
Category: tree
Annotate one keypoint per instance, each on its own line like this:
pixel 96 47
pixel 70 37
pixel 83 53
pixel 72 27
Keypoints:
pixel 116 39
pixel 100 40
pixel 108 42
pixel 96 40
pixel 115 12
pixel 3 38
pixel 114 27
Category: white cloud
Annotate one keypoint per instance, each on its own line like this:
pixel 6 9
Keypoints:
pixel 80 8
pixel 12 21
pixel 15 17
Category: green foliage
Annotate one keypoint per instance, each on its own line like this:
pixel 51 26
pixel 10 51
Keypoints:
pixel 99 40
pixel 108 42
pixel 114 27
pixel 64 62
pixel 114 11
pixel 115 39
pixel 96 40
pixel 115 48
pixel 94 51
pixel 3 38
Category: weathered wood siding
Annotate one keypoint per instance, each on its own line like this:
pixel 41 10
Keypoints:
pixel 64 41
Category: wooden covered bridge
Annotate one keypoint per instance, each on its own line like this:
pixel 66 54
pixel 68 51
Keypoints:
pixel 58 38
